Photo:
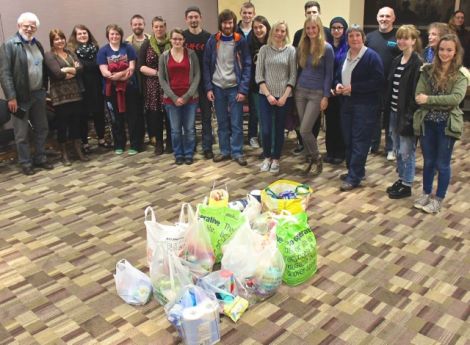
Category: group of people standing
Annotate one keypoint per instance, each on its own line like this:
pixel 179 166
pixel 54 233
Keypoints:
pixel 157 81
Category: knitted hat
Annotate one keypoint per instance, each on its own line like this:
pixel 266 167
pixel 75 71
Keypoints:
pixel 340 20
pixel 191 9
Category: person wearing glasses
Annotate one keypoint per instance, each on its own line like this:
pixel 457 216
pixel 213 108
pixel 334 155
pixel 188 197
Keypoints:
pixel 359 81
pixel 179 77
pixel 24 81
pixel 334 141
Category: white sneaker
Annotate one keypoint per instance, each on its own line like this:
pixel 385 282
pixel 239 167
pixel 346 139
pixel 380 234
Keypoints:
pixel 422 201
pixel 266 165
pixel 391 156
pixel 274 167
pixel 434 206
pixel 254 143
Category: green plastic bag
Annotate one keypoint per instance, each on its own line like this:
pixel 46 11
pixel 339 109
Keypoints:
pixel 298 247
pixel 221 223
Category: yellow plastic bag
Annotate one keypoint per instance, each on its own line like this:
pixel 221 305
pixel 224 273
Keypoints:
pixel 286 195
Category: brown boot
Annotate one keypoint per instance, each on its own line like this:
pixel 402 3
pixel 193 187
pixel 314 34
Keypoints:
pixel 318 166
pixel 65 157
pixel 78 150
pixel 309 160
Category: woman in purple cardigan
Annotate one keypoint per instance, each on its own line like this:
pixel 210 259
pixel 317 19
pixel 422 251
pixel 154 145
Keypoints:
pixel 358 82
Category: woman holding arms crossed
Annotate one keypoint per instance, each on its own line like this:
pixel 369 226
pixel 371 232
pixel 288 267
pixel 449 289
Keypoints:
pixel 439 121
pixel 66 93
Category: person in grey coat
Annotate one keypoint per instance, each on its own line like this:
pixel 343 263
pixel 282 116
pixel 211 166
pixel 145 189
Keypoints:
pixel 23 78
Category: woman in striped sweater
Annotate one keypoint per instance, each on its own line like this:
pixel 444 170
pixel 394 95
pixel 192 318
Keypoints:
pixel 401 105
pixel 276 73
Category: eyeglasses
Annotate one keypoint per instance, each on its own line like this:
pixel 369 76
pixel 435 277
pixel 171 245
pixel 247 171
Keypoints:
pixel 337 28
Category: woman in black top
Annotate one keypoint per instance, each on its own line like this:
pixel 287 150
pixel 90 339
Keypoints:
pixel 86 47
pixel 400 106
pixel 256 39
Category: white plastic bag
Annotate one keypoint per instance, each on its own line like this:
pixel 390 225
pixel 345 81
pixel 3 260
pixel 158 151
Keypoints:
pixel 132 285
pixel 252 209
pixel 168 275
pixel 256 261
pixel 240 253
pixel 171 235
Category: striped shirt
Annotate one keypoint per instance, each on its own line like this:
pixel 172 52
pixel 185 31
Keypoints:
pixel 396 85
pixel 277 68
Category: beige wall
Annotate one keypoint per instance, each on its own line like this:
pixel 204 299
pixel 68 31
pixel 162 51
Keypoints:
pixel 293 10
pixel 96 14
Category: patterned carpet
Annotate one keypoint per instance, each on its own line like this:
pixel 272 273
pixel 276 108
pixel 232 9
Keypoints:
pixel 388 274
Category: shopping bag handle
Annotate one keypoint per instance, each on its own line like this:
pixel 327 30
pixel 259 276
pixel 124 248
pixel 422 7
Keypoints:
pixel 121 264
pixel 189 215
pixel 148 210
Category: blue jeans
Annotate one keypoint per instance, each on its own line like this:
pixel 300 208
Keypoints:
pixel 229 116
pixel 273 119
pixel 357 123
pixel 182 128
pixel 437 152
pixel 405 147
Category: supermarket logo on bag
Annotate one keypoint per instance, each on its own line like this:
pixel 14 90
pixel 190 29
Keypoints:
pixel 210 220
pixel 299 236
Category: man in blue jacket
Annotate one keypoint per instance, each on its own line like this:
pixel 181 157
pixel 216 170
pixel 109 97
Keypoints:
pixel 24 82
pixel 227 71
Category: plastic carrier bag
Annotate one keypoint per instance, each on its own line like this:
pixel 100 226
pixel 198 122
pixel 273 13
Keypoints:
pixel 256 262
pixel 286 195
pixel 171 235
pixel 228 290
pixel 168 275
pixel 298 246
pixel 195 315
pixel 132 285
pixel 197 251
pixel 221 223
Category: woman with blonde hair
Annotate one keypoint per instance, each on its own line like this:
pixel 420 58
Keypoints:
pixel 400 106
pixel 439 120
pixel 316 60
pixel 435 32
pixel 276 73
